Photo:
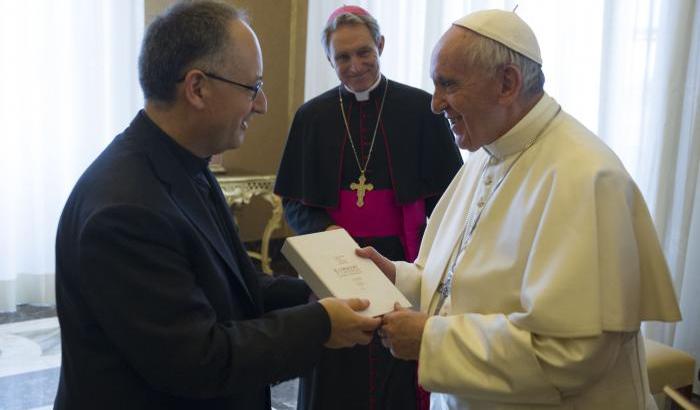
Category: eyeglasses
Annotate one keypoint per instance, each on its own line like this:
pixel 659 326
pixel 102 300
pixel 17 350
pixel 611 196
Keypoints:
pixel 254 88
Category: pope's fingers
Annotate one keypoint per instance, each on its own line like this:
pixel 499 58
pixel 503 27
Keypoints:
pixel 388 318
pixel 385 265
pixel 366 252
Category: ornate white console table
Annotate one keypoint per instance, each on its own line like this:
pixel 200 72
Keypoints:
pixel 238 190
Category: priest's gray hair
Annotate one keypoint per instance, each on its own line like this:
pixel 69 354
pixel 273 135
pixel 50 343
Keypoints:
pixel 349 19
pixel 492 55
pixel 189 34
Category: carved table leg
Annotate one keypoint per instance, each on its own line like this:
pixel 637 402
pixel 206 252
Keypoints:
pixel 273 223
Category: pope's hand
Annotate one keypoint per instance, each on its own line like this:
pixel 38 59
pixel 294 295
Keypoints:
pixel 402 331
pixel 347 327
pixel 384 264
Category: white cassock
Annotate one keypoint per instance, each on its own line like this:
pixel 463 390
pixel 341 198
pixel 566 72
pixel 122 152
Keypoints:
pixel 548 294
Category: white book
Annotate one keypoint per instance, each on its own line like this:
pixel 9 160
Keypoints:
pixel 328 263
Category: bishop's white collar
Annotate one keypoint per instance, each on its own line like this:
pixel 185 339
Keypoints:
pixel 523 134
pixel 364 95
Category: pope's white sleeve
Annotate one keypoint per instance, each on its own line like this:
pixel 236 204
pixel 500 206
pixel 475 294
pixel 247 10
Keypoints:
pixel 573 364
pixel 487 358
pixel 408 281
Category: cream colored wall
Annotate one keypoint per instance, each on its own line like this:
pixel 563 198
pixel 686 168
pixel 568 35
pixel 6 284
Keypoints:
pixel 281 29
pixel 155 7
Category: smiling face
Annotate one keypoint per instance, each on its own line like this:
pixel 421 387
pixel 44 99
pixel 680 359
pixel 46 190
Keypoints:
pixel 466 95
pixel 242 63
pixel 354 56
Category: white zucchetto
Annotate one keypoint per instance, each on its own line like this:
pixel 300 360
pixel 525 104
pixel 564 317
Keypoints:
pixel 505 27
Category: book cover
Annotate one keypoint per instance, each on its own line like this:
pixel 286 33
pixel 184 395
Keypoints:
pixel 327 262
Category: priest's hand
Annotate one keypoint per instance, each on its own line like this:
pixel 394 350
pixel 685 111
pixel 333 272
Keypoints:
pixel 347 327
pixel 384 264
pixel 402 332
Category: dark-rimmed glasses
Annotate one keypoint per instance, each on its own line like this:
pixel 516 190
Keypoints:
pixel 254 88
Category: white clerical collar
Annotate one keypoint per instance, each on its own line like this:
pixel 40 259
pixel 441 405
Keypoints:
pixel 364 95
pixel 523 134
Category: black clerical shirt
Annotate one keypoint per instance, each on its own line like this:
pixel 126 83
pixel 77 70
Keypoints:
pixel 198 170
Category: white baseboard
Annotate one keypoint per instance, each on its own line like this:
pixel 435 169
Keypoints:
pixel 36 289
pixel 8 295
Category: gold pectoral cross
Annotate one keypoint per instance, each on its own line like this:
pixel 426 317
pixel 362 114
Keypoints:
pixel 361 188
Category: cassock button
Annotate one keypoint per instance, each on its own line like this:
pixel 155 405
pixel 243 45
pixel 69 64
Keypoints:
pixel 488 180
pixel 480 204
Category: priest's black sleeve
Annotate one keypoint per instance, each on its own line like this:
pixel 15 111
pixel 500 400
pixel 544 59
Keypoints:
pixel 305 219
pixel 280 292
pixel 169 333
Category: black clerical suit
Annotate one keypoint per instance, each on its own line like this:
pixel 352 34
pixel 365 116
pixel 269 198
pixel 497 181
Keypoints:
pixel 159 305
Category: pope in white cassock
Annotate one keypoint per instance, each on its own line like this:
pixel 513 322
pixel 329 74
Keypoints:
pixel 540 261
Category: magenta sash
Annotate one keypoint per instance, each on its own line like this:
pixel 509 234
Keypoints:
pixel 382 216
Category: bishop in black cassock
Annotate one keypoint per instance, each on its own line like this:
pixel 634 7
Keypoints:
pixel 410 163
